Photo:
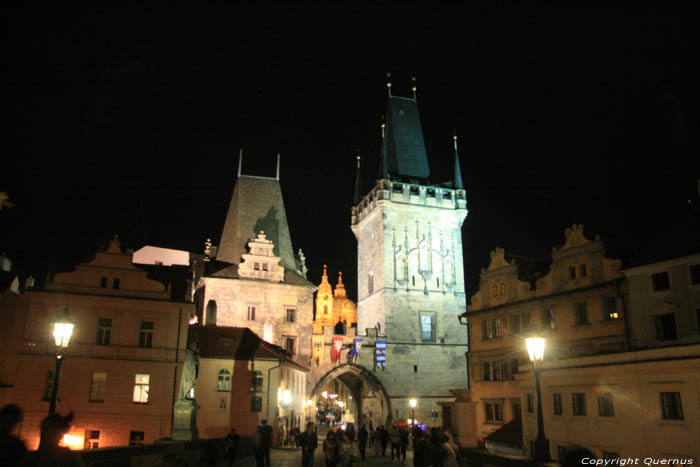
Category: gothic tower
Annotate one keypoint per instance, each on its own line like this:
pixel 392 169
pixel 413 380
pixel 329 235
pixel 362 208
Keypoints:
pixel 410 267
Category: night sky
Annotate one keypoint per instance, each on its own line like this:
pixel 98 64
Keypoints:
pixel 130 121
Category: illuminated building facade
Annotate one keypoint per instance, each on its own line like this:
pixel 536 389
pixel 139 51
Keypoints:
pixel 333 306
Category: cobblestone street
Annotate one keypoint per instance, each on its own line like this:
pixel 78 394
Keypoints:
pixel 292 457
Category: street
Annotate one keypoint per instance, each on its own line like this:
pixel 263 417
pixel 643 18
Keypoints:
pixel 292 457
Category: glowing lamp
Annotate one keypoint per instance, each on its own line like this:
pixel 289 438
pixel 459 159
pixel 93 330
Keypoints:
pixel 535 347
pixel 72 441
pixel 62 330
pixel 413 403
pixel 341 404
pixel 309 402
pixel 325 394
pixel 286 397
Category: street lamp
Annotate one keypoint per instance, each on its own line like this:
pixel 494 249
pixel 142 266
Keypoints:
pixel 413 403
pixel 535 348
pixel 62 331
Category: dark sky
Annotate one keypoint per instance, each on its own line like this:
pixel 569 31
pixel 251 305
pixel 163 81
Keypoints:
pixel 129 121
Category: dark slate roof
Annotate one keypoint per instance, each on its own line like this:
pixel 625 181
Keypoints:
pixel 510 434
pixel 256 205
pixel 403 145
pixel 228 342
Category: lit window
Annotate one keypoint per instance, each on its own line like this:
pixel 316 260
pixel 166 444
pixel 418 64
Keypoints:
pixel 557 404
pixel 610 312
pixel 671 406
pixel 136 438
pixel 141 386
pixel 605 405
pixel 146 334
pixel 494 411
pixel 580 313
pixel 519 323
pixel 427 327
pixel 492 328
pixel 291 315
pixel 257 381
pixel 224 381
pixel 579 403
pixel 665 327
pixel 97 387
pixel 92 439
pixel 251 313
pixel 660 281
pixel 104 331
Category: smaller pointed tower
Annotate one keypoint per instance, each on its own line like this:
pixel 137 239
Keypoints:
pixel 458 172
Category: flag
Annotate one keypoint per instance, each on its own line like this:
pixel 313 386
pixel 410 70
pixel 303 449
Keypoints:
pixel 337 348
pixel 381 354
pixel 357 345
pixel 317 342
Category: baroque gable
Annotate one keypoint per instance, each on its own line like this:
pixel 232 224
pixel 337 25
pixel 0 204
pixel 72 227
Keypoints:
pixel 260 262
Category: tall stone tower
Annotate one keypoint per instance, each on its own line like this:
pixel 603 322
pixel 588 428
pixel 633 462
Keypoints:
pixel 410 268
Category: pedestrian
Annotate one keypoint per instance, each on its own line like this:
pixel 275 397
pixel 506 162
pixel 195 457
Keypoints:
pixel 383 439
pixel 436 440
pixel 50 454
pixel 232 445
pixel 403 443
pixel 424 454
pixel 371 434
pixel 266 441
pixel 308 442
pixel 395 439
pixel 377 444
pixel 449 456
pixel 11 447
pixel 362 436
pixel 331 450
pixel 347 451
pixel 257 448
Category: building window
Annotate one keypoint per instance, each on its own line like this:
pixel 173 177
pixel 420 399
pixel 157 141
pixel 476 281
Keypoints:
pixel 427 327
pixel 103 282
pixel 257 381
pixel 572 272
pixel 211 313
pixel 256 404
pixel 502 289
pixel 92 439
pixel 115 283
pixel 557 404
pixel 579 402
pixel 223 382
pixel 251 312
pixel 665 327
pixel 519 323
pixel 515 407
pixel 48 386
pixel 494 290
pixel 97 387
pixel 695 274
pixel 671 406
pixel 256 266
pixel 494 411
pixel 370 282
pixel 580 313
pixel 141 386
pixel 486 375
pixel 325 309
pixel 514 366
pixel 610 312
pixel 289 344
pixel 492 329
pixel 605 405
pixel 146 334
pixel 264 267
pixel 496 371
pixel 291 315
pixel 530 404
pixel 660 281
pixel 104 331
pixel 136 438
pixel 582 272
pixel 548 318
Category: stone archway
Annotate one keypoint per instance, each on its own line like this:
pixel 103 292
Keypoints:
pixel 353 377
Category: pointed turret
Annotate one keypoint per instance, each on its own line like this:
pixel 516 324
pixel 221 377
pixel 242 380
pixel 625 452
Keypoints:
pixel 340 288
pixel 324 288
pixel 458 172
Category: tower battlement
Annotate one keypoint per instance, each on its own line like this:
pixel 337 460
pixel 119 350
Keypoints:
pixel 409 193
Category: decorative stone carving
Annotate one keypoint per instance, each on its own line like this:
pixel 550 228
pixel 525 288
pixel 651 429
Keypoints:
pixel 260 262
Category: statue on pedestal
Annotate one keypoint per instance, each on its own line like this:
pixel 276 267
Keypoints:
pixel 185 419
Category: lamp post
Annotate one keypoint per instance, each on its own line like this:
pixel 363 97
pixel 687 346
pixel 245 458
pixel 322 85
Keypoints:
pixel 413 404
pixel 62 331
pixel 535 348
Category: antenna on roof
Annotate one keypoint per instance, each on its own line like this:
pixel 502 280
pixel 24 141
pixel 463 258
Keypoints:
pixel 277 177
pixel 388 83
pixel 240 162
pixel 414 88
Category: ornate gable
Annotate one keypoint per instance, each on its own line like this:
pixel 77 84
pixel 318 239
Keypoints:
pixel 260 262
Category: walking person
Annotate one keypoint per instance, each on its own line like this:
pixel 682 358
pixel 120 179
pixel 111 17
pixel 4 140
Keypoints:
pixel 11 447
pixel 395 439
pixel 448 452
pixel 424 454
pixel 403 443
pixel 362 436
pixel 258 452
pixel 371 434
pixel 331 450
pixel 232 445
pixel 308 442
pixel 383 438
pixel 347 451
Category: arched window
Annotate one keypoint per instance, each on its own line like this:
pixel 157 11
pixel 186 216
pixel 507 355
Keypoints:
pixel 224 381
pixel 257 381
pixel 339 329
pixel 211 313
pixel 325 309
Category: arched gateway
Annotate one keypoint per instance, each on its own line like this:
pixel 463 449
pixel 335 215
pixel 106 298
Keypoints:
pixel 369 396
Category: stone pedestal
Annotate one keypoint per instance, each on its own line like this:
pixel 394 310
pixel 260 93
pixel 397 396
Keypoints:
pixel 464 418
pixel 185 420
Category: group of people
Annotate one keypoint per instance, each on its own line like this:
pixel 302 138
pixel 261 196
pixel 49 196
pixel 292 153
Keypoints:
pixel 13 451
pixel 437 448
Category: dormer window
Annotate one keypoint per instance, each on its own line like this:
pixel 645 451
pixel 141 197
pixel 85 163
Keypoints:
pixel 264 266
pixel 256 266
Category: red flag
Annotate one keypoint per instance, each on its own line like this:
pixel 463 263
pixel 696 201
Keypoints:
pixel 337 348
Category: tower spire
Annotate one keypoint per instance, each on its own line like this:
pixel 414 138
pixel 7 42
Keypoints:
pixel 358 179
pixel 388 83
pixel 458 172
pixel 240 162
pixel 277 177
